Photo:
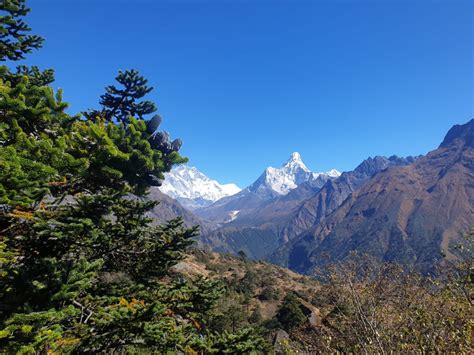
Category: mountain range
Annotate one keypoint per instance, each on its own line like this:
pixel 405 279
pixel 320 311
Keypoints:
pixel 410 210
pixel 413 214
pixel 269 224
pixel 272 184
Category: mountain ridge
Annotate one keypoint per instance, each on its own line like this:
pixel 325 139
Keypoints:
pixel 193 189
pixel 277 221
pixel 272 183
pixel 411 214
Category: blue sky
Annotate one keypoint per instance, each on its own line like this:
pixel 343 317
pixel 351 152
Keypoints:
pixel 245 83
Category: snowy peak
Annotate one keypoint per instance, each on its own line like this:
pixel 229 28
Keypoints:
pixel 271 185
pixel 193 188
pixel 333 173
pixel 295 162
pixel 282 180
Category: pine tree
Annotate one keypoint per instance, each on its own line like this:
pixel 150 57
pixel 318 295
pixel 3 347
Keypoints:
pixel 82 268
pixel 290 314
pixel 122 103
pixel 15 41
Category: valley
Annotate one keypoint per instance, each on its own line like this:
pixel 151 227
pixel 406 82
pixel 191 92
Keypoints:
pixel 292 216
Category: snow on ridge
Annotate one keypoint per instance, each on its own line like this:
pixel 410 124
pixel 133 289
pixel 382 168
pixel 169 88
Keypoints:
pixel 232 216
pixel 194 189
pixel 286 178
pixel 333 173
pixel 189 183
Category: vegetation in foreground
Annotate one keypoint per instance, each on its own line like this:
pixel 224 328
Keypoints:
pixel 357 306
pixel 82 266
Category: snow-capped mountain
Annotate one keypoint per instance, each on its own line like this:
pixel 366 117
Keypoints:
pixel 193 189
pixel 272 184
pixel 280 181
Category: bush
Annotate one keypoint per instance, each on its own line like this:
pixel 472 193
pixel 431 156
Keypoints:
pixel 290 314
pixel 373 308
pixel 269 293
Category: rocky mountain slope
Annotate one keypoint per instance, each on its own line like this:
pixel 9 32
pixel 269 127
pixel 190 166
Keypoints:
pixel 169 208
pixel 193 189
pixel 334 192
pixel 279 220
pixel 409 214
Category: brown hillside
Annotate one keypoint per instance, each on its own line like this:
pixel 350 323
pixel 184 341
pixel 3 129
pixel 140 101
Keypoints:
pixel 412 214
pixel 267 283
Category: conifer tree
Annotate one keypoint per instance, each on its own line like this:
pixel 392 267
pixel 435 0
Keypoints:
pixel 289 314
pixel 121 103
pixel 82 268
pixel 15 41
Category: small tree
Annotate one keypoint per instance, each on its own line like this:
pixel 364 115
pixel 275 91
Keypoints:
pixel 290 314
pixel 242 255
pixel 256 316
pixel 269 293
